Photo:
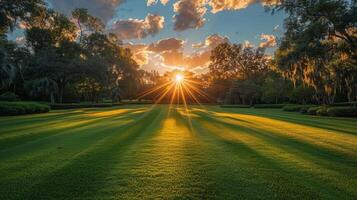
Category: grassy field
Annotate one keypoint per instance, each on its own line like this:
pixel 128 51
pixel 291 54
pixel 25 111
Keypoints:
pixel 136 152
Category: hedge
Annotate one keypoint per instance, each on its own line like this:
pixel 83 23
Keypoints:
pixel 269 105
pixel 345 104
pixel 342 112
pixel 297 108
pixel 313 110
pixel 75 106
pixel 322 111
pixel 9 96
pixel 235 106
pixel 21 108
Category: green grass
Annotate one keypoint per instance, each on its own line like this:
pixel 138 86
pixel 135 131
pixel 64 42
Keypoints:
pixel 144 151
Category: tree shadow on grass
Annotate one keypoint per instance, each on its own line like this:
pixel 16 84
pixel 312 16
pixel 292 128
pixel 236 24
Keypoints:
pixel 344 125
pixel 81 176
pixel 49 128
pixel 300 149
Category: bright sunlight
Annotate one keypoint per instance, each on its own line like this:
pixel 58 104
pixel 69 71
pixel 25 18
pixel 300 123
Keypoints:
pixel 179 78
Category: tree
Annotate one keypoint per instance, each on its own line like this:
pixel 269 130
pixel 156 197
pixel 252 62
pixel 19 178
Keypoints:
pixel 85 20
pixel 11 12
pixel 319 46
pixel 275 88
pixel 243 68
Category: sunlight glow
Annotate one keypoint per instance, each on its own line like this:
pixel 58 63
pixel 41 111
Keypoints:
pixel 179 78
pixel 177 87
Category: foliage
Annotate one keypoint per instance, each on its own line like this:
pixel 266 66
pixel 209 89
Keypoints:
pixel 322 111
pixel 9 96
pixel 237 62
pixel 235 106
pixel 319 46
pixel 57 60
pixel 269 105
pixel 342 111
pixel 13 11
pixel 81 105
pixel 21 108
pixel 302 95
pixel 297 108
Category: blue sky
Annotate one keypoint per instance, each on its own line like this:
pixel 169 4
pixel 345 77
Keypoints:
pixel 239 25
pixel 200 26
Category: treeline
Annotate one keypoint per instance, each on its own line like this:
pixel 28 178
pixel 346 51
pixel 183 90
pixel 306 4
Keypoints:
pixel 315 63
pixel 63 59
pixel 72 59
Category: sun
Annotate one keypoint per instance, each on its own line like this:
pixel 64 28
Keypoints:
pixel 179 78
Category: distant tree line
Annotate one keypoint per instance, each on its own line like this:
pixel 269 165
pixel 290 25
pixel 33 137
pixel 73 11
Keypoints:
pixel 316 61
pixel 63 59
pixel 72 58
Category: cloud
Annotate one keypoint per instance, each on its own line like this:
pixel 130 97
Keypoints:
pixel 170 52
pixel 220 5
pixel 153 2
pixel 138 28
pixel 104 9
pixel 189 14
pixel 247 44
pixel 140 53
pixel 214 40
pixel 268 41
pixel 170 44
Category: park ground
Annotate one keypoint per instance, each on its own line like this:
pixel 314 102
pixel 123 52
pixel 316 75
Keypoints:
pixel 162 152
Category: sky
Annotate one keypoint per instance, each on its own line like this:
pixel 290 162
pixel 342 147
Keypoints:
pixel 179 34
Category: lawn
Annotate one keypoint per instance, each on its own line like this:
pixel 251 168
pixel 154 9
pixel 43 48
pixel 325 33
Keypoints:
pixel 136 152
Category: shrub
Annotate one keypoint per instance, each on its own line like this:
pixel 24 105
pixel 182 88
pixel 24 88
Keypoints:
pixel 9 96
pixel 296 108
pixel 322 111
pixel 345 104
pixel 342 112
pixel 21 108
pixel 269 105
pixel 235 106
pixel 313 110
pixel 74 106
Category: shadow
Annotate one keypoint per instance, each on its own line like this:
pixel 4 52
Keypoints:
pixel 311 182
pixel 82 174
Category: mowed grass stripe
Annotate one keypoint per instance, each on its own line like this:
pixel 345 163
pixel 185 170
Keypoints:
pixel 290 153
pixel 155 152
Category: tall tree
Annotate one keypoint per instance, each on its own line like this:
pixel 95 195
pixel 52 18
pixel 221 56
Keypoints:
pixel 319 46
pixel 11 12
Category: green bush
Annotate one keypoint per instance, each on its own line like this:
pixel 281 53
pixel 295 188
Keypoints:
pixel 313 110
pixel 296 108
pixel 322 111
pixel 345 104
pixel 342 112
pixel 21 108
pixel 235 106
pixel 269 105
pixel 77 105
pixel 9 96
pixel 304 110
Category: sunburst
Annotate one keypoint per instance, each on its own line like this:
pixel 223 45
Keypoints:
pixel 179 87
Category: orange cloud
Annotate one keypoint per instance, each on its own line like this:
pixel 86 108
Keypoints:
pixel 189 14
pixel 153 2
pixel 220 5
pixel 168 54
pixel 138 28
pixel 103 9
pixel 268 41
